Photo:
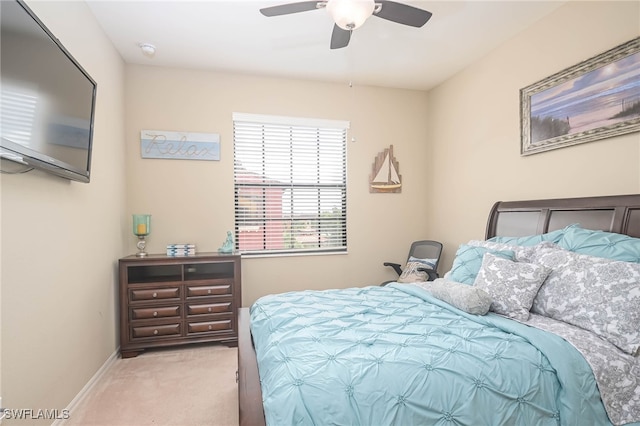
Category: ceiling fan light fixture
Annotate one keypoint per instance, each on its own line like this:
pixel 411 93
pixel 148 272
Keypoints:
pixel 350 14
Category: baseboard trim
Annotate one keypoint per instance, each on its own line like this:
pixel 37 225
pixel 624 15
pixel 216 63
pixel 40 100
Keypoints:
pixel 90 384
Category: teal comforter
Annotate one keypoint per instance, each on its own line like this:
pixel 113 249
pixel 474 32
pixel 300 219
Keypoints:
pixel 396 356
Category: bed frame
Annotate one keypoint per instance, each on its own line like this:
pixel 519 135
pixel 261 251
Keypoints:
pixel 617 213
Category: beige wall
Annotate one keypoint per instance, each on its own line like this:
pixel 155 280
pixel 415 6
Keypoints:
pixel 193 200
pixel 60 241
pixel 473 123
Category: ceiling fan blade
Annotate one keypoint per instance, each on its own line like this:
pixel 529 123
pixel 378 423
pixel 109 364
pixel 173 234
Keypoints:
pixel 285 9
pixel 402 13
pixel 340 38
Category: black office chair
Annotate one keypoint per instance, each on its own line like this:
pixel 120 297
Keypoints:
pixel 424 249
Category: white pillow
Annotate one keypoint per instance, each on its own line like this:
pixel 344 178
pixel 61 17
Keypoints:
pixel 511 285
pixel 410 273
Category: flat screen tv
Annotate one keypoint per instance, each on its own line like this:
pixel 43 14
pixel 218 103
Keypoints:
pixel 47 99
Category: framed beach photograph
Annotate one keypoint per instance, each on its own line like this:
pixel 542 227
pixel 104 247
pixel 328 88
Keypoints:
pixel 595 99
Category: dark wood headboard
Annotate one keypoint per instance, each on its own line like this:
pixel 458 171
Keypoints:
pixel 615 213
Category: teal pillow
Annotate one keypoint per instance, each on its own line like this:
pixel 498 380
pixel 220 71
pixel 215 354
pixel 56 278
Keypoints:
pixel 532 240
pixel 608 245
pixel 468 261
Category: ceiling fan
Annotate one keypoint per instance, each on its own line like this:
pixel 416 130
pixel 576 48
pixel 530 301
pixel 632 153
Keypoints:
pixel 351 14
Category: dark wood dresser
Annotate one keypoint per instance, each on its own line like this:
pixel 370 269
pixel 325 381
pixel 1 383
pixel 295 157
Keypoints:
pixel 166 301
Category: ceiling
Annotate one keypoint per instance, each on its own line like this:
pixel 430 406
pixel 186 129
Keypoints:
pixel 232 36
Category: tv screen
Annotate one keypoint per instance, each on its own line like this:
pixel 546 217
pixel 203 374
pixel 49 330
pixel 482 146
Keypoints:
pixel 47 99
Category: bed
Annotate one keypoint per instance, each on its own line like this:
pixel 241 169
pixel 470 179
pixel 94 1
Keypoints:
pixel 399 355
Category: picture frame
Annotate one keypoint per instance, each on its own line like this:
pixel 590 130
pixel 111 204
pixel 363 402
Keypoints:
pixel 385 173
pixel 596 99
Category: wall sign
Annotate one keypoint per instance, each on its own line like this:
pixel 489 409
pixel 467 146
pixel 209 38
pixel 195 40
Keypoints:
pixel 179 145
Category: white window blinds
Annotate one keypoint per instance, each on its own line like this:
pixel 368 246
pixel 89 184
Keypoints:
pixel 290 184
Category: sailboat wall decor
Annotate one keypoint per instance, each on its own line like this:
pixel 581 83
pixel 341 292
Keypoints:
pixel 384 176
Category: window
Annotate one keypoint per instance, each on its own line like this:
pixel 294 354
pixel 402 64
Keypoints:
pixel 19 113
pixel 290 184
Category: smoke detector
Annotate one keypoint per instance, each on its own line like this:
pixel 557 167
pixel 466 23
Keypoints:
pixel 148 49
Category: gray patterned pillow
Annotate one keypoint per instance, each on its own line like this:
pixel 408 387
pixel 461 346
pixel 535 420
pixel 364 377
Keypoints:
pixel 467 298
pixel 593 293
pixel 522 253
pixel 511 285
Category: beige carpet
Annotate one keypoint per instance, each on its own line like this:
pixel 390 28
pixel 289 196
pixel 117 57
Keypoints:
pixel 191 385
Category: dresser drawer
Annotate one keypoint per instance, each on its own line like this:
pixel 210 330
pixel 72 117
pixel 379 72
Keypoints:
pixel 209 326
pixel 147 294
pixel 156 331
pixel 208 290
pixel 209 308
pixel 157 312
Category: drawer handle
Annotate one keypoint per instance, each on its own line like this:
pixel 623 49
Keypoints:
pixel 210 327
pixel 155 295
pixel 209 291
pixel 155 331
pixel 209 308
pixel 155 313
